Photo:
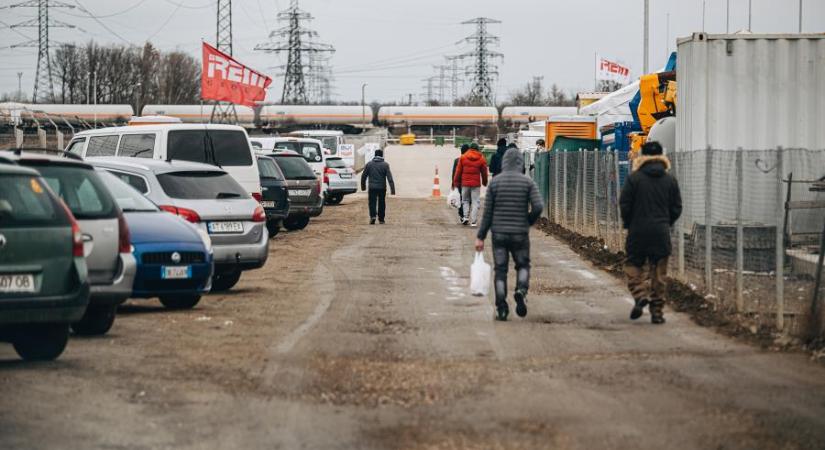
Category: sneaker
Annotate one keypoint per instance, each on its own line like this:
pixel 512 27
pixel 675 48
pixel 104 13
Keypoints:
pixel 372 221
pixel 638 309
pixel 521 303
pixel 501 313
pixel 381 222
pixel 464 221
pixel 474 224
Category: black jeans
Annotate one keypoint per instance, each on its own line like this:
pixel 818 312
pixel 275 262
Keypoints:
pixel 505 244
pixel 378 203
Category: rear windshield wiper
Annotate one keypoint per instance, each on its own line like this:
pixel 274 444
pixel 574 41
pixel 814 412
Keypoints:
pixel 227 195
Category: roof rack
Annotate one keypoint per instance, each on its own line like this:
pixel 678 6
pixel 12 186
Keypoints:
pixel 19 151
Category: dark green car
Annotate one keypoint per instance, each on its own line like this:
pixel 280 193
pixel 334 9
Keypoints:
pixel 43 276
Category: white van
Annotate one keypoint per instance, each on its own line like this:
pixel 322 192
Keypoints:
pixel 311 149
pixel 330 139
pixel 226 146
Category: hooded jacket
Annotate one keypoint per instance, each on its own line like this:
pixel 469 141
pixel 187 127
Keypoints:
pixel 513 202
pixel 471 170
pixel 379 174
pixel 650 204
pixel 496 160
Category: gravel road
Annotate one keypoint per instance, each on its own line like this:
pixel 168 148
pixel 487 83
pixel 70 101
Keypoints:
pixel 359 336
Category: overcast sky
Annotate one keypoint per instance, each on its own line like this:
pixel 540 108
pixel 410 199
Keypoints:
pixel 393 44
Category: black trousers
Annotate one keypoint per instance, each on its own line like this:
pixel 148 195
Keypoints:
pixel 504 245
pixel 460 205
pixel 378 203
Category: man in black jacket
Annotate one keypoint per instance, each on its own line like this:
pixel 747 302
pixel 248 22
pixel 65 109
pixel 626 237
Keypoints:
pixel 513 205
pixel 496 159
pixel 464 148
pixel 650 204
pixel 379 174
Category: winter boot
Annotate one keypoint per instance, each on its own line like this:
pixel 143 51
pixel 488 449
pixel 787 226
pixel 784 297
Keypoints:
pixel 372 221
pixel 521 300
pixel 657 315
pixel 638 309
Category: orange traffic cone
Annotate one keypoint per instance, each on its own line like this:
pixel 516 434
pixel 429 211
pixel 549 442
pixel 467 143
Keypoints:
pixel 436 185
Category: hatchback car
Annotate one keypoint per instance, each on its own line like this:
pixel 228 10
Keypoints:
pixel 339 179
pixel 305 198
pixel 44 284
pixel 275 198
pixel 209 198
pixel 105 233
pixel 174 258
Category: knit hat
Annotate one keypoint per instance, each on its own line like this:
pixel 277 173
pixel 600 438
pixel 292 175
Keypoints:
pixel 652 148
pixel 464 148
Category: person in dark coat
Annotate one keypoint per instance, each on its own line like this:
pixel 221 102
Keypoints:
pixel 495 161
pixel 464 148
pixel 513 205
pixel 379 174
pixel 650 204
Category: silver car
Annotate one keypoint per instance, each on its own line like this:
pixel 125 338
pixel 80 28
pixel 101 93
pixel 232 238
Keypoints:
pixel 105 234
pixel 211 199
pixel 339 179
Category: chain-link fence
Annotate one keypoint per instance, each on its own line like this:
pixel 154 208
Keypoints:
pixel 750 231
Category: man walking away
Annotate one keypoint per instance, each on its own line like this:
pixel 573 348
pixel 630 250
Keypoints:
pixel 464 148
pixel 379 174
pixel 513 205
pixel 471 174
pixel 650 204
pixel 495 161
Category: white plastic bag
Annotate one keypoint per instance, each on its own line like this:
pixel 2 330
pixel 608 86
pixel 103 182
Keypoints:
pixel 454 199
pixel 479 276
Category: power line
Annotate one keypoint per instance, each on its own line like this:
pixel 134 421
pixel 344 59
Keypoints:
pixel 105 27
pixel 106 16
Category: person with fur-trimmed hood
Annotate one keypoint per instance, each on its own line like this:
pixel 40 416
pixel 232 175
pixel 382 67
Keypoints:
pixel 650 204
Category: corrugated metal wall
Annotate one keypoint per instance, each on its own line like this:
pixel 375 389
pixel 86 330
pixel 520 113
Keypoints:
pixel 752 91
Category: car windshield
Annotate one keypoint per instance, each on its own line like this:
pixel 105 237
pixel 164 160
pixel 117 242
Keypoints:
pixel 295 168
pixel 330 142
pixel 81 189
pixel 127 197
pixel 216 147
pixel 25 202
pixel 336 163
pixel 268 169
pixel 201 185
pixel 309 150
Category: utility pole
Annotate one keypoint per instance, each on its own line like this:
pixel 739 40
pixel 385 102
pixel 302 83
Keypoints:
pixel 645 65
pixel 667 32
pixel 482 69
pixel 223 112
pixel 454 79
pixel 43 85
pixel 727 18
pixel 363 107
pixel 442 82
pixel 19 86
pixel 428 91
pixel 703 16
pixel 750 13
pixel 292 43
pixel 800 16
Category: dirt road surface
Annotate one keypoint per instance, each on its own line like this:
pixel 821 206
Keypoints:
pixel 359 336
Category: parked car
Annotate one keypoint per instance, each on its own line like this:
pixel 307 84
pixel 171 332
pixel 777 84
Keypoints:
pixel 209 198
pixel 110 261
pixel 44 284
pixel 275 198
pixel 225 146
pixel 305 198
pixel 174 258
pixel 339 179
pixel 311 150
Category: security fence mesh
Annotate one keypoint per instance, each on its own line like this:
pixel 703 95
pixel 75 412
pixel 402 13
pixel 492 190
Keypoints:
pixel 750 234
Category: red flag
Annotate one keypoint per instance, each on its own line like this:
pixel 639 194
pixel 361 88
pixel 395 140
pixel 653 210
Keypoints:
pixel 226 80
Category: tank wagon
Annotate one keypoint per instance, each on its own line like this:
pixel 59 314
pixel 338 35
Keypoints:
pixel 78 116
pixel 199 113
pixel 437 116
pixel 520 115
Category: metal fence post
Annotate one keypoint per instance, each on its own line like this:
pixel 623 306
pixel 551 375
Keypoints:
pixel 577 195
pixel 740 231
pixel 556 188
pixel 680 234
pixel 780 243
pixel 564 194
pixel 618 226
pixel 584 196
pixel 708 221
pixel 596 157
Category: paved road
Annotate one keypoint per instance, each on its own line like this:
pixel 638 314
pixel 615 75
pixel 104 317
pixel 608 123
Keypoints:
pixel 358 336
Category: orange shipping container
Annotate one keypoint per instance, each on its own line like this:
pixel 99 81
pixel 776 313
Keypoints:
pixel 583 127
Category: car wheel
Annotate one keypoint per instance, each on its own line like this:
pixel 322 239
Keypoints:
pixel 180 301
pixel 96 321
pixel 335 199
pixel 296 223
pixel 273 227
pixel 225 281
pixel 42 342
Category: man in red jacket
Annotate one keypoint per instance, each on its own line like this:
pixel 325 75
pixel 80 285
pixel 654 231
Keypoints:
pixel 471 174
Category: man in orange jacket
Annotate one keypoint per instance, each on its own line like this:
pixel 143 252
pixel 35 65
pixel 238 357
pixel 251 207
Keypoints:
pixel 471 174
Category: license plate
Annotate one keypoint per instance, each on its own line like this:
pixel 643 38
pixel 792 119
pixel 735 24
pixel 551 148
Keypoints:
pixel 267 204
pixel 225 227
pixel 299 192
pixel 346 175
pixel 18 282
pixel 176 272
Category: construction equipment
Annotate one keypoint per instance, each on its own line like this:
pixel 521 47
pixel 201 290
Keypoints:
pixel 658 100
